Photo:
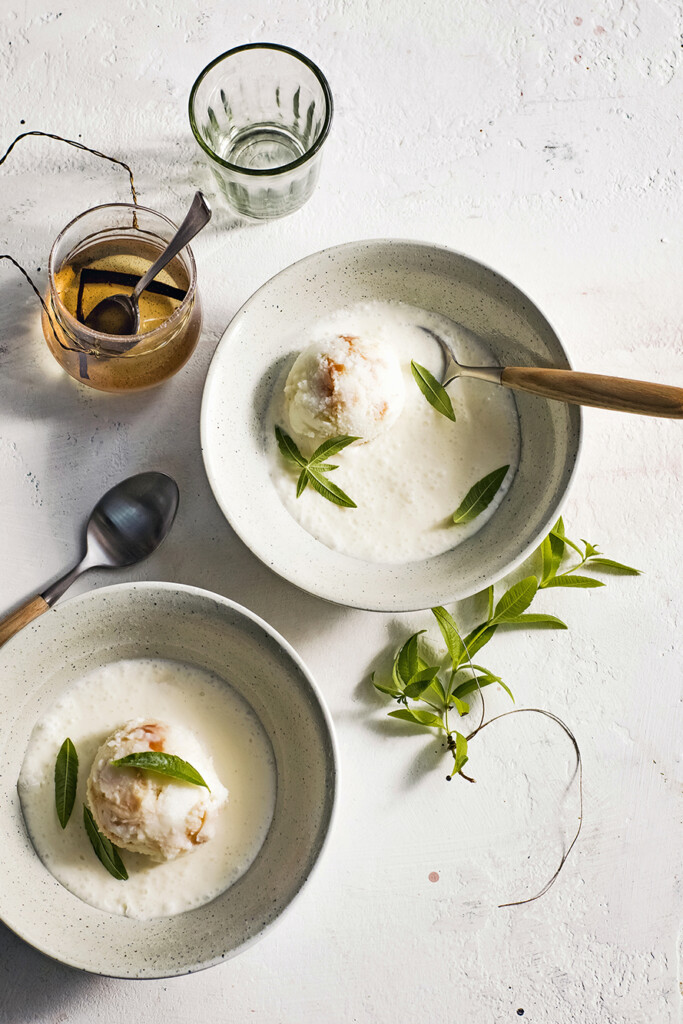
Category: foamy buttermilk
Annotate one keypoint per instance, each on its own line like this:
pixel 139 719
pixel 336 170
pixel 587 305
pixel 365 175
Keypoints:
pixel 408 482
pixel 230 733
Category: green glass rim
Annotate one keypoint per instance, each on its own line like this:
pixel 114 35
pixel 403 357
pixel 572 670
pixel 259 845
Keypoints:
pixel 264 171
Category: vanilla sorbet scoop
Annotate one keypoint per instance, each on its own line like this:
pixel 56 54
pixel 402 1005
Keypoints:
pixel 146 812
pixel 343 384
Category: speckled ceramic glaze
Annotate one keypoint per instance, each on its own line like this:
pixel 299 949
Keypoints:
pixel 160 620
pixel 250 359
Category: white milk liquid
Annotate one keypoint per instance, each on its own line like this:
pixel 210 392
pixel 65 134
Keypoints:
pixel 408 482
pixel 229 732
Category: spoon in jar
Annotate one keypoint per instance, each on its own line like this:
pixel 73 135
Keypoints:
pixel 127 524
pixel 120 314
pixel 571 386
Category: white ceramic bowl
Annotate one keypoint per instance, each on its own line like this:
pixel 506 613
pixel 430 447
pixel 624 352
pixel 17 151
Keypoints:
pixel 250 359
pixel 186 624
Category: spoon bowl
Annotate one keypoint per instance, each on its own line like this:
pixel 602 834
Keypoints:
pixel 126 525
pixel 130 521
pixel 118 314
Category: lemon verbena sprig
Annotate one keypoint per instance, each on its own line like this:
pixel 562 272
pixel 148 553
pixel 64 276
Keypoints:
pixel 428 693
pixel 314 471
pixel 414 682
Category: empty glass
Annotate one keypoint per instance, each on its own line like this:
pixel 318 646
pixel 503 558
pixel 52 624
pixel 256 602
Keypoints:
pixel 261 113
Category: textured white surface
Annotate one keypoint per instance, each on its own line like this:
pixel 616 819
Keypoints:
pixel 545 139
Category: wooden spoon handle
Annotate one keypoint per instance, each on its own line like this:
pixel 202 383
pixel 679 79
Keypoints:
pixel 21 617
pixel 594 389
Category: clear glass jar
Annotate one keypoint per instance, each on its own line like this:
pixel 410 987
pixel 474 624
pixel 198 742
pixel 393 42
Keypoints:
pixel 121 240
pixel 261 113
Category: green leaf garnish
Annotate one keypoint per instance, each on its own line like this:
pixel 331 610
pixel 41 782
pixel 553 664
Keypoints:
pixel 460 706
pixel 407 660
pixel 288 448
pixel 479 637
pixel 449 631
pixel 584 582
pixel 105 850
pixel 461 757
pixel 433 390
pixel 66 780
pixel 170 765
pixel 552 550
pixel 421 681
pixel 331 447
pixel 301 482
pixel 418 717
pixel 480 496
pixel 558 531
pixel 516 600
pixel 328 490
pixel 609 565
pixel 477 683
pixel 385 688
pixel 536 619
pixel 314 470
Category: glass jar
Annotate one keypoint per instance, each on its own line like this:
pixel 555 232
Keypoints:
pixel 105 250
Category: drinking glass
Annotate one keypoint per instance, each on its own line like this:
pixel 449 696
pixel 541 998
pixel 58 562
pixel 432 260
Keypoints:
pixel 261 113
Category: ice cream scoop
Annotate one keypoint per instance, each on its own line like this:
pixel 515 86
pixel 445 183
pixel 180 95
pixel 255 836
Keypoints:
pixel 148 813
pixel 343 384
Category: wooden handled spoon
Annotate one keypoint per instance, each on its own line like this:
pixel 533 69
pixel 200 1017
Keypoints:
pixel 127 524
pixel 571 385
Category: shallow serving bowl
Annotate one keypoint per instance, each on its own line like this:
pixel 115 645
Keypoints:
pixel 250 359
pixel 186 624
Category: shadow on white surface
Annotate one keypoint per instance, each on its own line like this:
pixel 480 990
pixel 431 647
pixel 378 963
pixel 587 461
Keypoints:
pixel 34 987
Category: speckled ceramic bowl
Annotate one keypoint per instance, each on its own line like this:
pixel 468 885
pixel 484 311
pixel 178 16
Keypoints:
pixel 249 361
pixel 167 621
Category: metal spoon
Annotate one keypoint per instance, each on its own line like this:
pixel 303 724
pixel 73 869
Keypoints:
pixel 571 386
pixel 120 314
pixel 127 524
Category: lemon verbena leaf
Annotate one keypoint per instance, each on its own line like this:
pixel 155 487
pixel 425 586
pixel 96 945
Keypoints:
pixel 106 852
pixel 162 764
pixel 66 779
pixel 434 392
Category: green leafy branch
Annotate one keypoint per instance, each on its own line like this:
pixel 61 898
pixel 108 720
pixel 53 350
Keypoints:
pixel 428 694
pixel 314 471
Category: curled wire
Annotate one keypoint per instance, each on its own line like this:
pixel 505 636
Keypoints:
pixel 77 145
pixel 578 770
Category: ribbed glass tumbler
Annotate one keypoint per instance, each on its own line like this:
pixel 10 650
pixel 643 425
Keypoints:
pixel 261 113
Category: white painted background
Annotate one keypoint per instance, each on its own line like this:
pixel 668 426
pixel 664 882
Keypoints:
pixel 544 138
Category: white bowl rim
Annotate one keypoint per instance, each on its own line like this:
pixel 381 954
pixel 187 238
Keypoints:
pixel 321 591
pixel 331 739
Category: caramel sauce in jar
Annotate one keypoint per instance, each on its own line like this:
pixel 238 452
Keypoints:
pixel 84 273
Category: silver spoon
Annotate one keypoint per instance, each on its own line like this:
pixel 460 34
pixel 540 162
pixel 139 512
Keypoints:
pixel 571 386
pixel 127 524
pixel 120 314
